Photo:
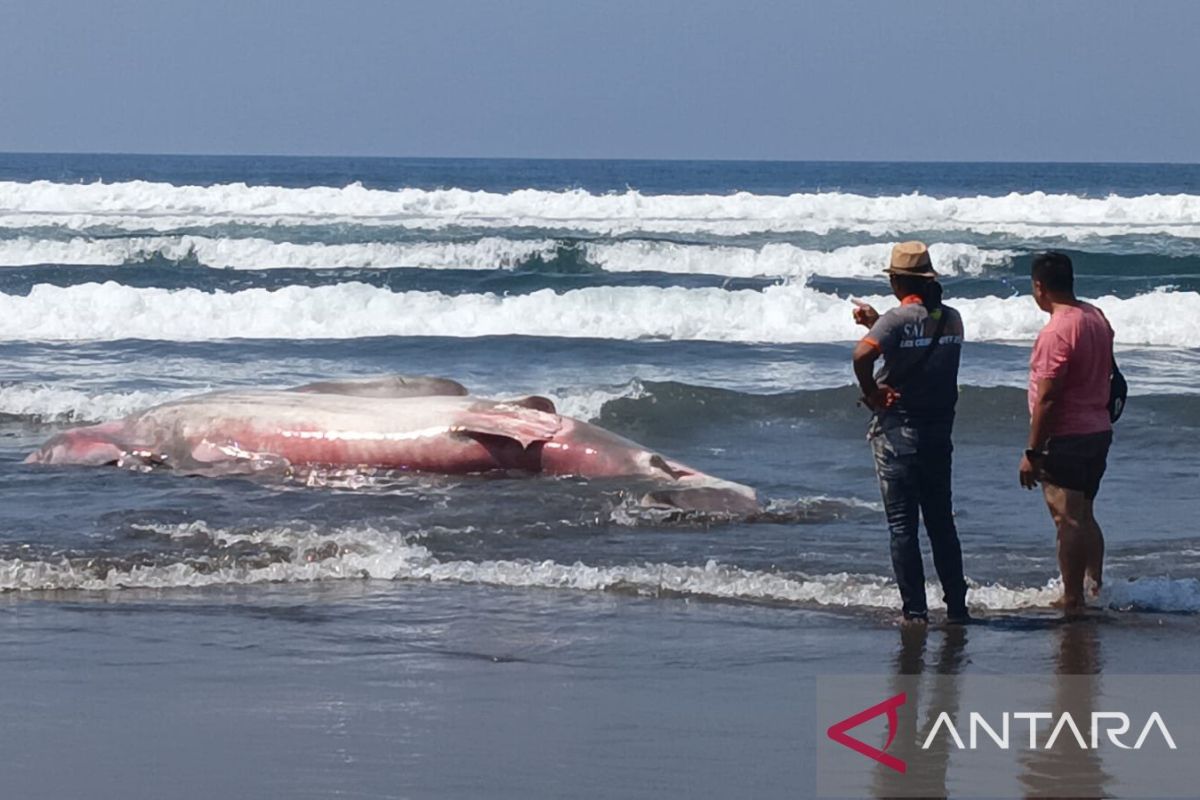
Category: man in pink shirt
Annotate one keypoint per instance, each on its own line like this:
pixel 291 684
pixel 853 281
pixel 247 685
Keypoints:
pixel 1070 430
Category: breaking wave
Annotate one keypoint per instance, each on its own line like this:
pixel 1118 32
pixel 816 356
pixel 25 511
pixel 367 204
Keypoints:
pixel 149 206
pixel 780 314
pixel 488 253
pixel 47 403
pixel 588 403
pixel 255 253
pixel 781 260
pixel 297 555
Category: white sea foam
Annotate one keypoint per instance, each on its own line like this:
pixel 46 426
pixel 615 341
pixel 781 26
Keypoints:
pixel 382 555
pixel 488 252
pixel 47 403
pixel 147 206
pixel 785 313
pixel 779 259
pixel 586 402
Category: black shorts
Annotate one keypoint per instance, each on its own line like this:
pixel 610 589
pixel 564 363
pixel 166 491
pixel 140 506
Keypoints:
pixel 1077 462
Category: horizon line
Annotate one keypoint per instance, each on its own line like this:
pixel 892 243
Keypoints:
pixel 165 154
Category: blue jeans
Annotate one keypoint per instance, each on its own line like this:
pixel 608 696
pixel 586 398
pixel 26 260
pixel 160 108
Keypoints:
pixel 913 462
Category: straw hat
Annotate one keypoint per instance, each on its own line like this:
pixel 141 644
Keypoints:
pixel 911 258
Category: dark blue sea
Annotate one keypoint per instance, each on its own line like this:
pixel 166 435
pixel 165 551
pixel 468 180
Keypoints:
pixel 514 637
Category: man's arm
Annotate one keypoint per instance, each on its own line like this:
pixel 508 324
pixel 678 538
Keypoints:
pixel 865 356
pixel 1049 392
pixel 876 397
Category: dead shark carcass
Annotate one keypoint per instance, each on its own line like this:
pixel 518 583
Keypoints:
pixel 394 423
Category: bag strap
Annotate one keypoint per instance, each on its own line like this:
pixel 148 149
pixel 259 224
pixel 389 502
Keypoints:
pixel 925 356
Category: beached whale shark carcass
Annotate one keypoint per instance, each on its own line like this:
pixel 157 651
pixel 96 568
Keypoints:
pixel 419 424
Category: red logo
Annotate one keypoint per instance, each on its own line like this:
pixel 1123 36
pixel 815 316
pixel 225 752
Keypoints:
pixel 837 731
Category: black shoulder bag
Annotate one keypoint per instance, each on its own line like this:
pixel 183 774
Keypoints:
pixel 1118 392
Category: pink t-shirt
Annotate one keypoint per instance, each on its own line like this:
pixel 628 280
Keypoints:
pixel 1076 342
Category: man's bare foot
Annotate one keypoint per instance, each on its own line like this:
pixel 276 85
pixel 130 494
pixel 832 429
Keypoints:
pixel 1070 605
pixel 914 622
pixel 1093 574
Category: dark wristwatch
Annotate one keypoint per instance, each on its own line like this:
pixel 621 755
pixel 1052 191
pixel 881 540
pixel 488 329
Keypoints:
pixel 1034 455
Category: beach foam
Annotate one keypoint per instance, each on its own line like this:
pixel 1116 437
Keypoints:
pixel 369 553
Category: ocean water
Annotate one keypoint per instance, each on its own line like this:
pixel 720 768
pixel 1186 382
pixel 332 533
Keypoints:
pixel 508 637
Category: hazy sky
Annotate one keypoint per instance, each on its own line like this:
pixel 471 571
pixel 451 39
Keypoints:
pixel 1039 80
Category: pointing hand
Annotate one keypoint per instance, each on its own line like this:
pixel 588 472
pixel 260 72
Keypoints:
pixel 864 313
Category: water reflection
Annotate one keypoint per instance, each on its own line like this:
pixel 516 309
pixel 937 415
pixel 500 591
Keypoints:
pixel 1068 770
pixel 927 777
pixel 931 677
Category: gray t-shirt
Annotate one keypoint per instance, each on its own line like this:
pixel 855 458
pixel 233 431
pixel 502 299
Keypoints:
pixel 928 393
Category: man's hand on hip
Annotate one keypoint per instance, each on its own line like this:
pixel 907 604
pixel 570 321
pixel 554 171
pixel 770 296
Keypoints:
pixel 884 397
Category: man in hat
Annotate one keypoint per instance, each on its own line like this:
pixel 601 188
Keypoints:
pixel 913 398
